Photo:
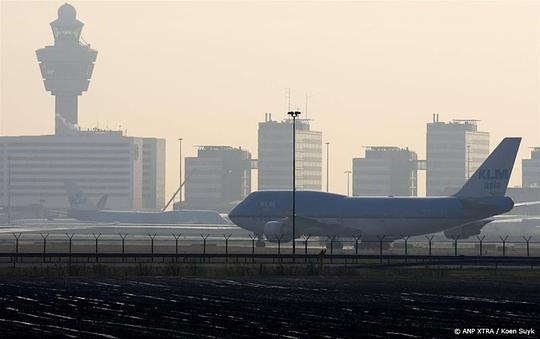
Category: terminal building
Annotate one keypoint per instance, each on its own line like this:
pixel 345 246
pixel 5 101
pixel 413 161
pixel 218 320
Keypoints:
pixel 530 182
pixel 530 169
pixel 217 178
pixel 34 168
pixel 454 151
pixel 129 170
pixel 153 173
pixel 385 171
pixel 275 155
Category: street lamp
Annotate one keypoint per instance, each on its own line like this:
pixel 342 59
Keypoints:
pixel 294 115
pixel 327 166
pixel 180 172
pixel 348 180
pixel 468 161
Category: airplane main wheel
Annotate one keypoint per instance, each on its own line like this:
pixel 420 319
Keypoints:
pixel 260 243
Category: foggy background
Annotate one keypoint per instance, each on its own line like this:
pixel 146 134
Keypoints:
pixel 208 71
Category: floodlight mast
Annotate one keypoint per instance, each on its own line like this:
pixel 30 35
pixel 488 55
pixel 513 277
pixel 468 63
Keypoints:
pixel 294 115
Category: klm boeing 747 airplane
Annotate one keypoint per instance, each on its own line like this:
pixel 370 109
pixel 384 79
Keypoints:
pixel 269 213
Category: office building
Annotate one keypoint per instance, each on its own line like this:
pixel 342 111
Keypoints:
pixel 454 151
pixel 217 178
pixel 275 155
pixel 385 171
pixel 153 177
pixel 33 169
pixel 530 169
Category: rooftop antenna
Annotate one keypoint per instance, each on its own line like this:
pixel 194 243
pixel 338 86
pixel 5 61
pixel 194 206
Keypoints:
pixel 306 106
pixel 289 97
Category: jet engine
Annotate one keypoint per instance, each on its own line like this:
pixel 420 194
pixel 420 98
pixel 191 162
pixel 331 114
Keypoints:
pixel 468 230
pixel 275 231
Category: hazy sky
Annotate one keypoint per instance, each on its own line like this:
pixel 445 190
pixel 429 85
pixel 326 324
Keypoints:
pixel 208 71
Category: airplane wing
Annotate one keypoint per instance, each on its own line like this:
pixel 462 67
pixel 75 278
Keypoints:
pixel 528 203
pixel 312 226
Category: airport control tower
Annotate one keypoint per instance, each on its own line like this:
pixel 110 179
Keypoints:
pixel 66 68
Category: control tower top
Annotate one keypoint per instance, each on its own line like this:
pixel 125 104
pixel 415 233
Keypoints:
pixel 66 29
pixel 66 68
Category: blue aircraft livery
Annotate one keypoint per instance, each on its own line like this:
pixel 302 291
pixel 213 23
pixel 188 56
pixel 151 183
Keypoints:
pixel 269 213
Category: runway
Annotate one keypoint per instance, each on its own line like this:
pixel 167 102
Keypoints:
pixel 75 227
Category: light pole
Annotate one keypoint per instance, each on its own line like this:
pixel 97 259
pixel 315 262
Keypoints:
pixel 348 180
pixel 180 171
pixel 9 189
pixel 468 161
pixel 294 115
pixel 327 166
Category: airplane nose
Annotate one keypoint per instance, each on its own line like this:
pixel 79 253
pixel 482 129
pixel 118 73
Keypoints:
pixel 234 213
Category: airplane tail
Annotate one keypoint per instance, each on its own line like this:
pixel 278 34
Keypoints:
pixel 77 199
pixel 102 202
pixel 491 178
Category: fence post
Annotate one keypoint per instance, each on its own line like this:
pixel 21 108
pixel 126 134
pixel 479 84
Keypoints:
pixel 406 238
pixel 70 236
pixel 253 237
pixel 455 245
pixel 152 236
pixel 44 236
pixel 527 240
pixel 204 237
pixel 331 238
pixel 227 236
pixel 96 238
pixel 430 239
pixel 306 238
pixel 176 237
pixel 380 247
pixel 16 236
pixel 356 241
pixel 503 239
pixel 481 240
pixel 123 237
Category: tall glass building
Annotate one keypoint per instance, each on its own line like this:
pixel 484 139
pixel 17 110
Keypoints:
pixel 530 169
pixel 217 178
pixel 275 155
pixel 454 151
pixel 385 171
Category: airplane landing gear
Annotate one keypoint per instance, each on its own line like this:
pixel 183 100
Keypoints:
pixel 260 242
pixel 337 245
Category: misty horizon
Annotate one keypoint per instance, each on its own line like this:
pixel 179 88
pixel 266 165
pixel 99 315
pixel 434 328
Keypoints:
pixel 374 73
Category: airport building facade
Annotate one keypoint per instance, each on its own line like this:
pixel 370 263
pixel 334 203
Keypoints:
pixel 454 151
pixel 530 169
pixel 275 155
pixel 33 169
pixel 153 176
pixel 385 171
pixel 217 178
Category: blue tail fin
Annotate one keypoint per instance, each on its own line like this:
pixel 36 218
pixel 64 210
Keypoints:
pixel 491 178
pixel 77 198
